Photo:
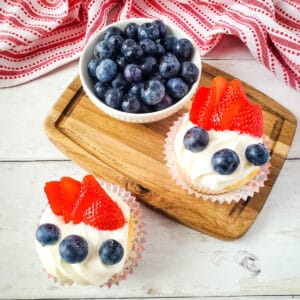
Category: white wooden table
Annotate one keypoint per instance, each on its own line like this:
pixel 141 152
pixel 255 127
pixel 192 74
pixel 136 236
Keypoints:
pixel 178 262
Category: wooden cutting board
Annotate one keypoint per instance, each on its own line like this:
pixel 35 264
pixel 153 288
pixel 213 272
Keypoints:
pixel 131 155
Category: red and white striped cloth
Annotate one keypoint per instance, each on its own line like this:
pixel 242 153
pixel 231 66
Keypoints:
pixel 37 36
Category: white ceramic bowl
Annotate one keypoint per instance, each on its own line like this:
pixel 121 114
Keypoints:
pixel 86 81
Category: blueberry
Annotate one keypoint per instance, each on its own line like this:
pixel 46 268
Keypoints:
pixel 161 28
pixel 107 70
pixel 149 66
pixel 148 31
pixel 103 50
pixel 114 97
pixel 160 50
pixel 225 161
pixel 152 92
pixel 121 62
pixel 169 66
pixel 168 42
pixel 116 42
pixel 177 87
pixel 47 234
pixel 166 101
pixel 131 30
pixel 183 49
pixel 148 46
pixel 111 252
pixel 195 139
pixel 145 109
pixel 257 154
pixel 133 53
pixel 127 44
pixel 92 65
pixel 100 89
pixel 73 249
pixel 189 72
pixel 158 76
pixel 120 82
pixel 133 73
pixel 135 89
pixel 112 30
pixel 131 103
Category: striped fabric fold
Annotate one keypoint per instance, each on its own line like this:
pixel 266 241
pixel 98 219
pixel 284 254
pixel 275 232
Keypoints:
pixel 37 36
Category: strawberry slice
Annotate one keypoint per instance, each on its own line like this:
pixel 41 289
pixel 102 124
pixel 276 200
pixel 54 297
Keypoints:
pixel 249 120
pixel 70 191
pixel 230 104
pixel 198 105
pixel 54 195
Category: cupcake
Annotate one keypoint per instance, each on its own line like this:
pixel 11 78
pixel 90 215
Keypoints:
pixel 218 146
pixel 87 233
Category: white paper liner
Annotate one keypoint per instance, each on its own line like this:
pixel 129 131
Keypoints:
pixel 135 254
pixel 241 193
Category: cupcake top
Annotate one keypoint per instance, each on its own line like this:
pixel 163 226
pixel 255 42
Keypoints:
pixel 219 142
pixel 83 233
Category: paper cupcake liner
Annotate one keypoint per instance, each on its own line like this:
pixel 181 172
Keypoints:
pixel 241 193
pixel 135 254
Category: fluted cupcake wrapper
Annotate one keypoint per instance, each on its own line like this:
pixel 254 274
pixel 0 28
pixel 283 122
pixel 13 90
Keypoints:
pixel 135 254
pixel 241 193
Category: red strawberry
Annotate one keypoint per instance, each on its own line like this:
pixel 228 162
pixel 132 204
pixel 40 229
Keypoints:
pixel 70 191
pixel 198 104
pixel 54 195
pixel 230 104
pixel 249 120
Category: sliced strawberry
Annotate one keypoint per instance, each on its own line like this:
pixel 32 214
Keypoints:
pixel 230 104
pixel 54 195
pixel 70 191
pixel 104 214
pixel 199 104
pixel 249 120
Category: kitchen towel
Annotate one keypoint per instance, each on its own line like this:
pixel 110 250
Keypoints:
pixel 37 36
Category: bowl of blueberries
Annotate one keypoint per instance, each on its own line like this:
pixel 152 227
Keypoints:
pixel 140 70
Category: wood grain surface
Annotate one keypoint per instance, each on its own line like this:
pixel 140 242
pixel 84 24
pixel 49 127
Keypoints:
pixel 131 155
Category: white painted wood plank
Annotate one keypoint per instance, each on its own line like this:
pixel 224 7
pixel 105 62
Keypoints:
pixel 177 262
pixel 23 108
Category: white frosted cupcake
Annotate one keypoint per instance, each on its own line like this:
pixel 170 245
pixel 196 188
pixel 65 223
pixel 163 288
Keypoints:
pixel 89 233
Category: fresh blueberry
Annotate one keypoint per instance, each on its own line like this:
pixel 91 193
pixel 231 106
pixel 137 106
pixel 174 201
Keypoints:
pixel 177 87
pixel 103 50
pixel 107 70
pixel 112 30
pixel 166 101
pixel 168 42
pixel 133 73
pixel 73 249
pixel 100 88
pixel 133 53
pixel 145 109
pixel 114 97
pixel 128 43
pixel 257 154
pixel 47 234
pixel 160 50
pixel 131 30
pixel 135 89
pixel 195 139
pixel 121 62
pixel 92 65
pixel 152 92
pixel 169 66
pixel 225 161
pixel 116 41
pixel 148 31
pixel 131 103
pixel 183 49
pixel 120 82
pixel 149 66
pixel 111 252
pixel 161 28
pixel 148 46
pixel 189 72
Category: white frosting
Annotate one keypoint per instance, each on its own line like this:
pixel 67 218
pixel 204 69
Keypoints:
pixel 197 166
pixel 91 270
